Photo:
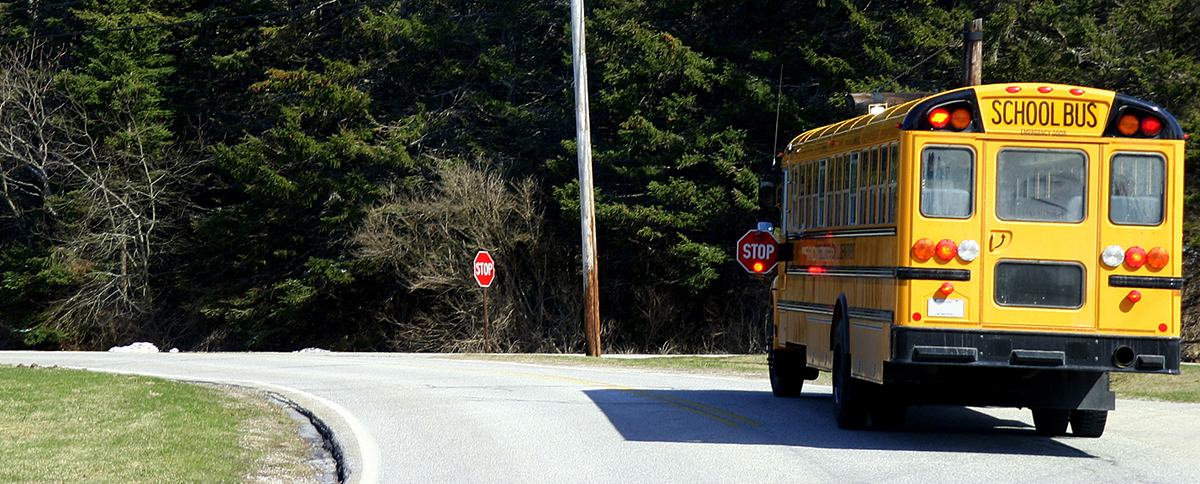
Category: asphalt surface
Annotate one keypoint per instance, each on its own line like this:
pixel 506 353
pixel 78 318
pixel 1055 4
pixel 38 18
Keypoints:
pixel 413 418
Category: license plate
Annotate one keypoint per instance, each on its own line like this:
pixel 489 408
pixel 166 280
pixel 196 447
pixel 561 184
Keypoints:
pixel 947 308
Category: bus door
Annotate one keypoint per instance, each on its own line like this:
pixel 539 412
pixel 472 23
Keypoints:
pixel 1039 240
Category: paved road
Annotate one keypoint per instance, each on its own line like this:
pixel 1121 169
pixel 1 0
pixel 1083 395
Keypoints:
pixel 408 418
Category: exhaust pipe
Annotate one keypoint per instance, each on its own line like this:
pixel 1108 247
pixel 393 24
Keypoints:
pixel 1123 357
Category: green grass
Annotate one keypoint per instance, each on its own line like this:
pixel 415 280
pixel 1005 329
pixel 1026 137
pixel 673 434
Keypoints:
pixel 1184 387
pixel 60 425
pixel 1175 388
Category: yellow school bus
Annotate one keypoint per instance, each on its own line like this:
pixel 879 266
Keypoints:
pixel 999 245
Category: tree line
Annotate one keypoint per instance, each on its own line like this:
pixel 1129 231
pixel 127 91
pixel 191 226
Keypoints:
pixel 277 174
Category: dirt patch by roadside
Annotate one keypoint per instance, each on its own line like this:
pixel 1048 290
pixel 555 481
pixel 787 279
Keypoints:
pixel 289 447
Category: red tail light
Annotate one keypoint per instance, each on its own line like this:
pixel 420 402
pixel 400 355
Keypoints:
pixel 946 249
pixel 946 289
pixel 1134 296
pixel 1135 257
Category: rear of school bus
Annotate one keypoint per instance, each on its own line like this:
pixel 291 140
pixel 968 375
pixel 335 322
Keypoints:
pixel 1045 229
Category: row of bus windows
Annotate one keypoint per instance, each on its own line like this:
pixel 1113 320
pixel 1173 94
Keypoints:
pixel 848 189
pixel 1042 185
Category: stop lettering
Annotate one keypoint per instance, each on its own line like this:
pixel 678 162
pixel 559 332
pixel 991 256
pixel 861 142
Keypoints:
pixel 485 269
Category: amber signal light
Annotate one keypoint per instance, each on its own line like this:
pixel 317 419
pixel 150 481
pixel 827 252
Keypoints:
pixel 1157 258
pixel 923 250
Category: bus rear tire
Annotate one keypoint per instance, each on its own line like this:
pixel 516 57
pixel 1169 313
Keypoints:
pixel 1088 423
pixel 1051 422
pixel 787 379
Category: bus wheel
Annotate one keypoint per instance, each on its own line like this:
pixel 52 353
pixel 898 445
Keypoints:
pixel 849 414
pixel 1051 422
pixel 1088 423
pixel 786 378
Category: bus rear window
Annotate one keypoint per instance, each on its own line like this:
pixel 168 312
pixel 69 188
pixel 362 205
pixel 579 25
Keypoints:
pixel 947 182
pixel 1036 284
pixel 1135 192
pixel 1041 185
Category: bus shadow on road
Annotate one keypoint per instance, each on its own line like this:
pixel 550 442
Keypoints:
pixel 759 418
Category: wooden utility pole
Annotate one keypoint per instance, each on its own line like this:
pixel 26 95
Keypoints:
pixel 587 202
pixel 973 53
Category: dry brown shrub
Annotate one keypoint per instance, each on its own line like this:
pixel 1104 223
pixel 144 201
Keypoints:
pixel 427 237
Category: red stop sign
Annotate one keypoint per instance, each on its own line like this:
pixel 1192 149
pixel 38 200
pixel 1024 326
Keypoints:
pixel 485 269
pixel 757 251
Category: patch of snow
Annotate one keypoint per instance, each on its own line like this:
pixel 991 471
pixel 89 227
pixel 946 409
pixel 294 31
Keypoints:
pixel 312 350
pixel 140 347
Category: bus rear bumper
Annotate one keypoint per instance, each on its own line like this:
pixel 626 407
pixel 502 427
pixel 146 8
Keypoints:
pixel 1029 350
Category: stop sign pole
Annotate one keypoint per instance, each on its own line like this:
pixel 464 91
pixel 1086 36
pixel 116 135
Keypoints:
pixel 485 272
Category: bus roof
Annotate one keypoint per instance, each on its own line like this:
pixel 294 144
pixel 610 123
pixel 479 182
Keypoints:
pixel 1017 108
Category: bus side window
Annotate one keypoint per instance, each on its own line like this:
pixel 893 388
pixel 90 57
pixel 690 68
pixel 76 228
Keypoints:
pixel 882 194
pixel 873 189
pixel 947 182
pixel 852 190
pixel 893 170
pixel 1136 186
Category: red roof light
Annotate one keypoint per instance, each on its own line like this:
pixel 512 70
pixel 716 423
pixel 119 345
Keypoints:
pixel 939 118
pixel 1151 126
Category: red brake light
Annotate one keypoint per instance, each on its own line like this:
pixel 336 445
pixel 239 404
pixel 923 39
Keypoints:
pixel 1134 296
pixel 1135 257
pixel 939 118
pixel 1151 126
pixel 946 249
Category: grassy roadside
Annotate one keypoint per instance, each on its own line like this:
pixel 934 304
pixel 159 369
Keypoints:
pixel 67 426
pixel 1175 388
